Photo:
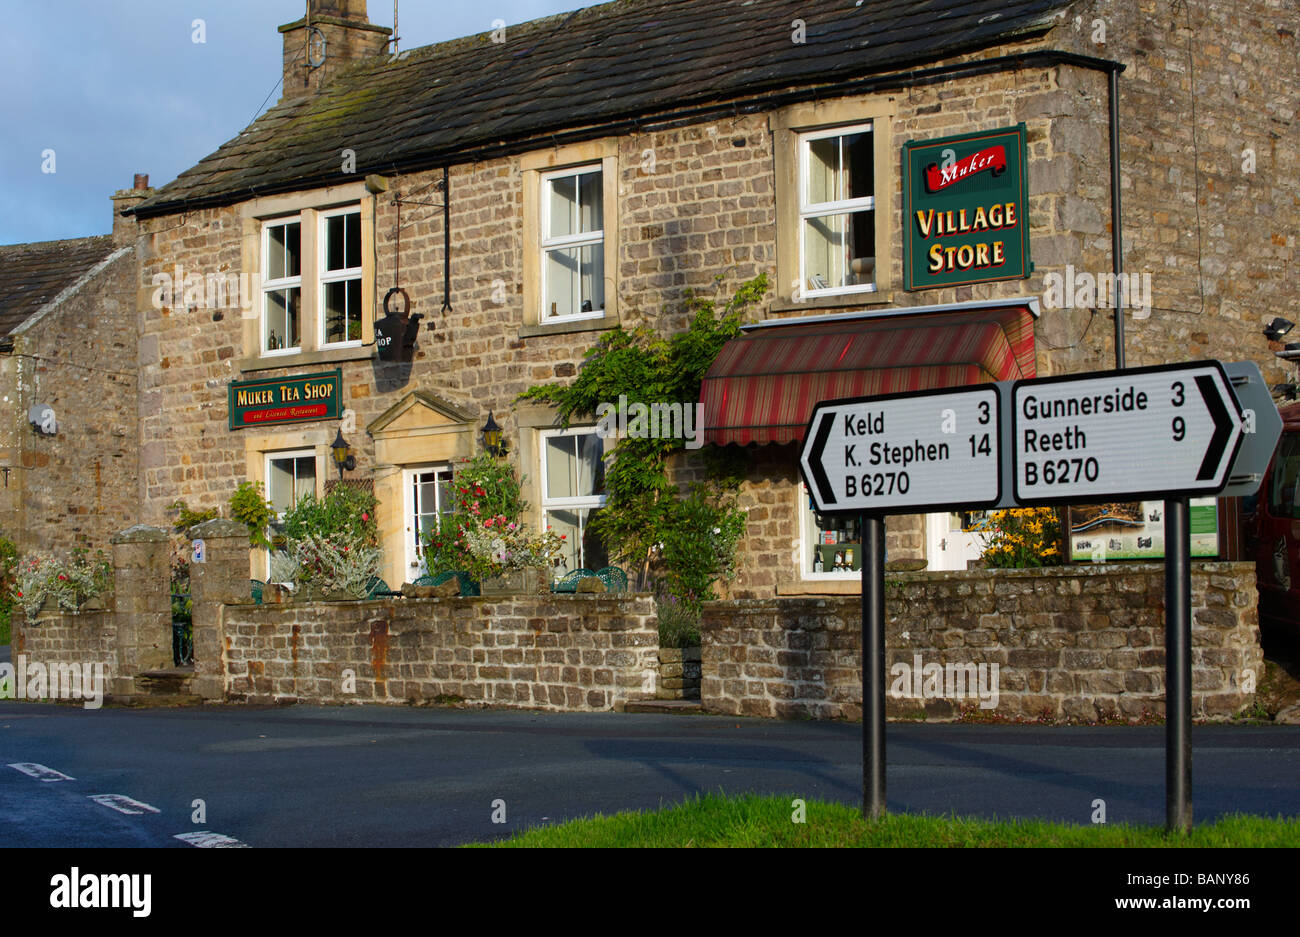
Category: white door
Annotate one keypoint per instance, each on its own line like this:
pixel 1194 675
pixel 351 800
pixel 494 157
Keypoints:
pixel 428 494
pixel 947 545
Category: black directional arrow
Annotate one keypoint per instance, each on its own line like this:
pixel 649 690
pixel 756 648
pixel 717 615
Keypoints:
pixel 818 470
pixel 1223 427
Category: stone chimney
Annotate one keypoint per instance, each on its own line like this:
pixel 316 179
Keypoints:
pixel 124 229
pixel 332 35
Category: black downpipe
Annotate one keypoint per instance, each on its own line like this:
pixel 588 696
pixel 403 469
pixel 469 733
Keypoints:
pixel 1116 219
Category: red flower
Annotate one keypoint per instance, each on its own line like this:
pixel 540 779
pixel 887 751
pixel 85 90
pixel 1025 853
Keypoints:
pixel 61 576
pixel 365 517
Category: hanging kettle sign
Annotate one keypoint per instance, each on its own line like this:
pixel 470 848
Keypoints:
pixel 395 333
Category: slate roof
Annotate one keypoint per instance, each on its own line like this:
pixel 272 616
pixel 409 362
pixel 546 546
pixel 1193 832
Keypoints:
pixel 33 274
pixel 616 61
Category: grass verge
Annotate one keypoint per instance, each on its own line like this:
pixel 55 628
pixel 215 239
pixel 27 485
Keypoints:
pixel 750 821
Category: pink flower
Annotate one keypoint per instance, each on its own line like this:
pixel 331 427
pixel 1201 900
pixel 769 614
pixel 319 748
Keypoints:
pixel 365 517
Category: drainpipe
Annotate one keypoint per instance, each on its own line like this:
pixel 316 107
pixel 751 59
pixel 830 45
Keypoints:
pixel 1116 224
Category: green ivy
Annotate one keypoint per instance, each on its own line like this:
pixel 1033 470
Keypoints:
pixel 249 505
pixel 685 540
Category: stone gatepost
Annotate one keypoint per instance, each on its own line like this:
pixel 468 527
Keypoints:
pixel 222 579
pixel 142 603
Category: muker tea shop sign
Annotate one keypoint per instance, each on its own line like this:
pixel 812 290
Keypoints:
pixel 272 401
pixel 965 201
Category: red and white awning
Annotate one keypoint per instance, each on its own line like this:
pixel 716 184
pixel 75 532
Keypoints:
pixel 764 385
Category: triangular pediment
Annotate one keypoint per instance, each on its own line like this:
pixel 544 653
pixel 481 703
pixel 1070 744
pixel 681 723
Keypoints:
pixel 419 410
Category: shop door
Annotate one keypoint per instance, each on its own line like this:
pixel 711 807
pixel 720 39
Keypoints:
pixel 948 546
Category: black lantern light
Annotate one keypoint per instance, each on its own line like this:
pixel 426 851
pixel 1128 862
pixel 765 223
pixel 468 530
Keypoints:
pixel 343 456
pixel 1277 328
pixel 493 437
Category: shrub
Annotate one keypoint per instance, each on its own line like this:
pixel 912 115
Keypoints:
pixel 8 581
pixel 331 542
pixel 249 504
pixel 699 545
pixel 679 622
pixel 345 513
pixel 1023 537
pixel 69 580
pixel 336 564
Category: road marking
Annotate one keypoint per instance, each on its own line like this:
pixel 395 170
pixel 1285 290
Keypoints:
pixel 123 804
pixel 40 772
pixel 206 840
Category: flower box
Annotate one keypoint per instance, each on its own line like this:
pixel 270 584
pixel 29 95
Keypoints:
pixel 528 581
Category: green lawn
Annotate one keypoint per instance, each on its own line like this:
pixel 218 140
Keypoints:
pixel 753 821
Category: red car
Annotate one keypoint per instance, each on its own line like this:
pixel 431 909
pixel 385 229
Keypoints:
pixel 1273 531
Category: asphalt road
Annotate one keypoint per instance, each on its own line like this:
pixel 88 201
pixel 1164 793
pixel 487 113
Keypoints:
pixel 381 776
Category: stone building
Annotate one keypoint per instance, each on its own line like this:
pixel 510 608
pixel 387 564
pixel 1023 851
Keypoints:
pixel 557 178
pixel 69 434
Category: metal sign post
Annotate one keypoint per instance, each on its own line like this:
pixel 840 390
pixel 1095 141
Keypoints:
pixel 873 666
pixel 898 454
pixel 1166 432
pixel 1178 666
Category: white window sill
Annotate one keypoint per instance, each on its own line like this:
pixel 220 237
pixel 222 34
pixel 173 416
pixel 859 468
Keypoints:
pixel 329 355
pixel 564 326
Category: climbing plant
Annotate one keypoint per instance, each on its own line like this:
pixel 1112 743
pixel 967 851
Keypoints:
pixel 684 539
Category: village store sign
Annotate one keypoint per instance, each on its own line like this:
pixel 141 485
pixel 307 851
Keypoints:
pixel 965 201
pixel 273 401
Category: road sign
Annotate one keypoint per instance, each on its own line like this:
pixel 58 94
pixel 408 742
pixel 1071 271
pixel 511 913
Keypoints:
pixel 1261 429
pixel 1171 430
pixel 904 452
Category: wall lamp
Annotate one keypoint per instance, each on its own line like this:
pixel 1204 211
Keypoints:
pixel 1277 328
pixel 342 452
pixel 493 437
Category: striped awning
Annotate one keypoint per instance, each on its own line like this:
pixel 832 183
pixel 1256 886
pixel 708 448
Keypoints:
pixel 764 385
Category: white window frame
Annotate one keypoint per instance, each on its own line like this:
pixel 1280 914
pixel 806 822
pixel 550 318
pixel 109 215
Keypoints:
pixel 588 502
pixel 807 534
pixel 283 283
pixel 277 456
pixel 278 517
pixel 588 239
pixel 414 555
pixel 811 210
pixel 324 276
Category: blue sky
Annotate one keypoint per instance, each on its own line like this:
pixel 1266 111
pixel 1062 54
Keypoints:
pixel 116 87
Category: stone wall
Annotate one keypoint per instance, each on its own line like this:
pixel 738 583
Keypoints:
pixel 556 652
pixel 679 673
pixel 79 486
pixel 131 636
pixel 66 638
pixel 1072 642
